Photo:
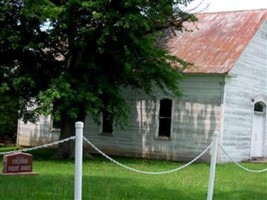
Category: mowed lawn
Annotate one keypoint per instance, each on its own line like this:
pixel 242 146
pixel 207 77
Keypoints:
pixel 104 180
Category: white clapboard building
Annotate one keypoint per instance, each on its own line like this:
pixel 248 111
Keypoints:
pixel 225 90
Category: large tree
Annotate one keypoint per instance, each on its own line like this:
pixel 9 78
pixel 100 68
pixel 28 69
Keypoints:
pixel 8 115
pixel 72 57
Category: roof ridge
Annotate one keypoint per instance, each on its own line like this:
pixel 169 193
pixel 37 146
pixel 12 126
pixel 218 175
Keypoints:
pixel 231 11
pixel 218 40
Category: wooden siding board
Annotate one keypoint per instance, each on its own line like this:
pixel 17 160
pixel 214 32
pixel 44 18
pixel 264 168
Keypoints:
pixel 196 114
pixel 35 134
pixel 249 80
pixel 192 125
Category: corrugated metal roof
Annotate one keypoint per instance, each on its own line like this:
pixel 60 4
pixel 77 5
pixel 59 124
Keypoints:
pixel 216 40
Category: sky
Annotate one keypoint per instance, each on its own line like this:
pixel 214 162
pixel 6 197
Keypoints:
pixel 226 5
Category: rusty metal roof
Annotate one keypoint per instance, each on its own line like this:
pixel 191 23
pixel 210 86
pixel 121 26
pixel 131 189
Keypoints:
pixel 216 40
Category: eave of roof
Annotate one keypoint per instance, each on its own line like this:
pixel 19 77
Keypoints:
pixel 215 42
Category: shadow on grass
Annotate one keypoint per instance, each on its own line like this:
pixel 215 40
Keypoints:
pixel 55 187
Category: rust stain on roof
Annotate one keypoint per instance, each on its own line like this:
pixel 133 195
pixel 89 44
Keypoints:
pixel 216 40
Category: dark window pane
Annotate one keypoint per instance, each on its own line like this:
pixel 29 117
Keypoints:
pixel 165 108
pixel 165 127
pixel 107 126
pixel 56 124
pixel 165 114
pixel 259 107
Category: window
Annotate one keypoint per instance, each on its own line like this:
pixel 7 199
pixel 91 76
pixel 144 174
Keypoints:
pixel 55 123
pixel 259 107
pixel 107 122
pixel 165 117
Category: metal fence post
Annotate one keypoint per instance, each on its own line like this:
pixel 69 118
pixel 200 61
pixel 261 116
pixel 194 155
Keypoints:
pixel 213 164
pixel 78 160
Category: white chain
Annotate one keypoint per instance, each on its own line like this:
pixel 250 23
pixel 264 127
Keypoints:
pixel 39 147
pixel 242 167
pixel 146 172
pixel 130 168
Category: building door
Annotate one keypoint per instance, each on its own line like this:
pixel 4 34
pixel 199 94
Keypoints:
pixel 258 130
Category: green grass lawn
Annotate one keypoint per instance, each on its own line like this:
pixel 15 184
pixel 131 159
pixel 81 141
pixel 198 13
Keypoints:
pixel 103 180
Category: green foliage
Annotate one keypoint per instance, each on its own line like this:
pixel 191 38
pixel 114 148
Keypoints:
pixel 8 114
pixel 103 180
pixel 72 57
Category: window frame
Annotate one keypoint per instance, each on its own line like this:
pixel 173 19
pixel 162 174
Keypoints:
pixel 105 123
pixel 52 122
pixel 169 117
pixel 263 106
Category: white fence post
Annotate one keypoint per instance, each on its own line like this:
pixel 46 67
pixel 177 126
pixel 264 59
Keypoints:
pixel 78 160
pixel 213 164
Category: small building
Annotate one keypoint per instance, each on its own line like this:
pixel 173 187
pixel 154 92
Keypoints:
pixel 225 90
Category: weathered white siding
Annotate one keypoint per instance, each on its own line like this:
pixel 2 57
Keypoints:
pixel 195 117
pixel 35 134
pixel 246 80
pixel 210 102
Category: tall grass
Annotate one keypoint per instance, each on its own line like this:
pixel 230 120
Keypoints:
pixel 103 180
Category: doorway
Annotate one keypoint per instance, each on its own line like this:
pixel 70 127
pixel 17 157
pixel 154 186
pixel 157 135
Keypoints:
pixel 258 130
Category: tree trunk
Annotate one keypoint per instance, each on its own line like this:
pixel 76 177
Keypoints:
pixel 67 149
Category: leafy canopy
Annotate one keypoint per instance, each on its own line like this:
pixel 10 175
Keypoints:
pixel 77 55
